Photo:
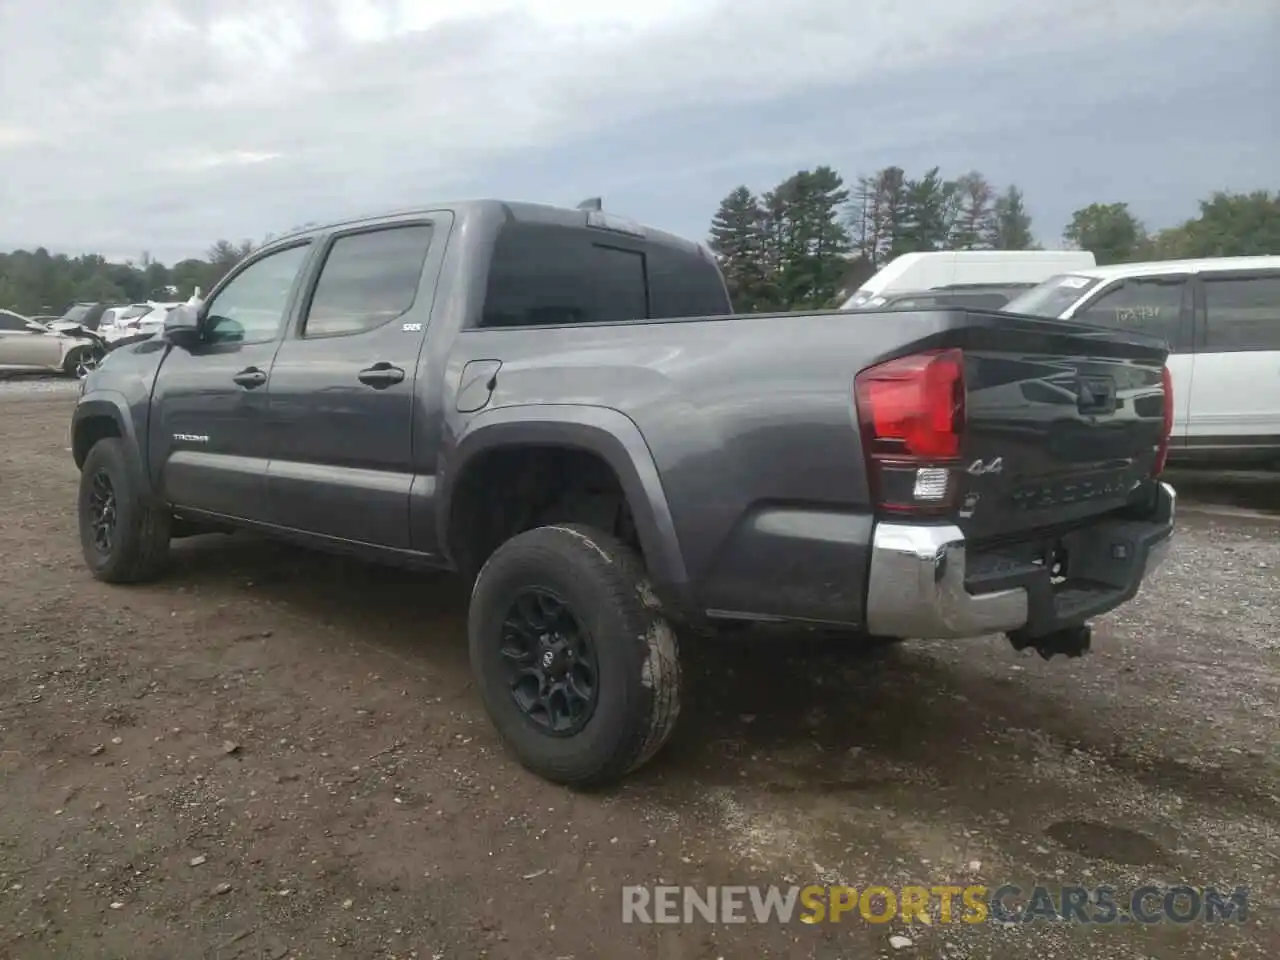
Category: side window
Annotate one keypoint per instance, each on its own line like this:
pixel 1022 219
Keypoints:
pixel 683 283
pixel 10 322
pixel 250 308
pixel 1242 313
pixel 1144 305
pixel 547 275
pixel 367 280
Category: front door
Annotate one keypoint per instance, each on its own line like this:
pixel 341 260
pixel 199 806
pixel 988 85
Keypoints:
pixel 343 385
pixel 209 440
pixel 1159 306
pixel 1235 398
pixel 22 345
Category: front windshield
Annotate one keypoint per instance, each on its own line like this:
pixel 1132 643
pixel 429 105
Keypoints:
pixel 1053 297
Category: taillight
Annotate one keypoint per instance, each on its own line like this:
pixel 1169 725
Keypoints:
pixel 912 414
pixel 1166 428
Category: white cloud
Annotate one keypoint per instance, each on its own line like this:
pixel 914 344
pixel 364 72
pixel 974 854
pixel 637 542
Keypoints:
pixel 152 101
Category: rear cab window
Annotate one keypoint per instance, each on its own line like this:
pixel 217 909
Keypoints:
pixel 544 274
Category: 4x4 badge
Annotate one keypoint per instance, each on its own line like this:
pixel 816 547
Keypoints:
pixel 978 468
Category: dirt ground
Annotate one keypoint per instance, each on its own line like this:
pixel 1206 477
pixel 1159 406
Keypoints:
pixel 277 754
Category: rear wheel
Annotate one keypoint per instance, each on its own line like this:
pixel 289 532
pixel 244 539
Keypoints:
pixel 124 538
pixel 577 666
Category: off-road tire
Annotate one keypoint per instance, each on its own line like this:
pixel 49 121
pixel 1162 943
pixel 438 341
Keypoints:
pixel 605 586
pixel 140 547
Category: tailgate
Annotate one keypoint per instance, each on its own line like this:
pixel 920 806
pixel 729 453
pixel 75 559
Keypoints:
pixel 1063 422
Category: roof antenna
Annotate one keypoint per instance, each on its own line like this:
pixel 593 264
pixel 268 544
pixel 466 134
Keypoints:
pixel 591 203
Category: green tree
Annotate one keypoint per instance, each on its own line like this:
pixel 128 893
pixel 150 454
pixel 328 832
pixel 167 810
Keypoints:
pixel 224 255
pixel 975 217
pixel 1010 227
pixel 877 215
pixel 187 275
pixel 1108 230
pixel 1235 225
pixel 810 246
pixel 929 214
pixel 740 242
pixel 38 282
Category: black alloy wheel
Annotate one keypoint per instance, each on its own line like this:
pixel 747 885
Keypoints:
pixel 550 662
pixel 103 516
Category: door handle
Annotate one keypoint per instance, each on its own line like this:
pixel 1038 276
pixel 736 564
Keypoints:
pixel 381 375
pixel 250 377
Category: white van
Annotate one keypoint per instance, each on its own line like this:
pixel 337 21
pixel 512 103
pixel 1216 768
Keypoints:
pixel 944 268
pixel 1221 319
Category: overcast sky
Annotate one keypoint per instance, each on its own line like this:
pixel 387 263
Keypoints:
pixel 162 125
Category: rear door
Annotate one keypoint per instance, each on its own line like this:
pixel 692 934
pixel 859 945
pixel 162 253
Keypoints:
pixel 1235 395
pixel 344 381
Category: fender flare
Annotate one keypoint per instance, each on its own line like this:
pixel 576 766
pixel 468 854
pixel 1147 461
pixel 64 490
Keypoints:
pixel 603 431
pixel 111 405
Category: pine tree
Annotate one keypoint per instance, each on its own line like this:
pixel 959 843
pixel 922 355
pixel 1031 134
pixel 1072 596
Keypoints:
pixel 877 215
pixel 740 243
pixel 975 212
pixel 929 213
pixel 1011 224
pixel 811 246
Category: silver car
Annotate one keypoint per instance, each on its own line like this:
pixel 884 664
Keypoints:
pixel 29 346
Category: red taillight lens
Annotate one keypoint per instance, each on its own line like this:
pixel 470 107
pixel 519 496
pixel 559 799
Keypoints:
pixel 912 414
pixel 1166 428
pixel 912 408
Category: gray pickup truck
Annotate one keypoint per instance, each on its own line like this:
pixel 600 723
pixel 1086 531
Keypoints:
pixel 561 406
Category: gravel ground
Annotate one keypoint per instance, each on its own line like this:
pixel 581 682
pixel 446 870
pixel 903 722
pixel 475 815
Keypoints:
pixel 277 754
pixel 18 385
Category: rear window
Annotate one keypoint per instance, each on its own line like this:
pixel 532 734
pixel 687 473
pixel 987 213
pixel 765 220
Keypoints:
pixel 1053 297
pixel 548 275
pixel 1242 313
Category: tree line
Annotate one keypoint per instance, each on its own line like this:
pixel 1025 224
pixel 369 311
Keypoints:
pixel 37 282
pixel 793 247
pixel 799 245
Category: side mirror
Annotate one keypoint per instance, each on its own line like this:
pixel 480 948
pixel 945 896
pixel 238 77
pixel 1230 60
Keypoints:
pixel 182 326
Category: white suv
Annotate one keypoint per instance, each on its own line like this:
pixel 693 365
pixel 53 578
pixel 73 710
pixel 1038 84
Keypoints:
pixel 1221 319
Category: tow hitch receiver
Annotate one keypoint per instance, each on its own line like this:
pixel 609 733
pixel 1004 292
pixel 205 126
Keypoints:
pixel 1069 641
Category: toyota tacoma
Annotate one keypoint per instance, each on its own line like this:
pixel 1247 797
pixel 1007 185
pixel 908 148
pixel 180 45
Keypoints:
pixel 561 406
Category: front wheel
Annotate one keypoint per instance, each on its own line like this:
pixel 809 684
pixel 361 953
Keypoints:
pixel 577 666
pixel 124 538
pixel 81 362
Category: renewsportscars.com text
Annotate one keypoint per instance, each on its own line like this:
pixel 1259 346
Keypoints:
pixel 945 904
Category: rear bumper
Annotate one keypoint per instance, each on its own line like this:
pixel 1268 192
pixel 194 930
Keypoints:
pixel 924 584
